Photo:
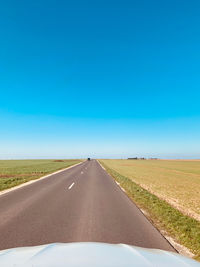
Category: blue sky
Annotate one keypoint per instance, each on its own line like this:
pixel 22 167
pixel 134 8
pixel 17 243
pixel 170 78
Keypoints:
pixel 100 79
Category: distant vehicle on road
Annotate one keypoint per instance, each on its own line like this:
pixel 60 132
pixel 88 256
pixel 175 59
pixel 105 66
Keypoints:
pixel 88 159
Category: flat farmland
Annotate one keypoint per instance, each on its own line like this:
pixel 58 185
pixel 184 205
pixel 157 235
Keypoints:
pixel 175 181
pixel 15 172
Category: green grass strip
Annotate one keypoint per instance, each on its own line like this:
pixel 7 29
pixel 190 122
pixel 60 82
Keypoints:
pixel 184 229
pixel 16 172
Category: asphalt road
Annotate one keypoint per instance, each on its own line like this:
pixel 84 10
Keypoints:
pixel 80 204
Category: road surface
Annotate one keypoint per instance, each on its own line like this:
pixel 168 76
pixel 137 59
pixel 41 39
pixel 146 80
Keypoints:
pixel 80 204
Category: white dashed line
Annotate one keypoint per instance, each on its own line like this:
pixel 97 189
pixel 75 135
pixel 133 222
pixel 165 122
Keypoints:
pixel 81 172
pixel 70 186
pixel 120 186
pixel 37 180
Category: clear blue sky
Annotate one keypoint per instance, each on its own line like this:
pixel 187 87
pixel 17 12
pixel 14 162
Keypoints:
pixel 99 79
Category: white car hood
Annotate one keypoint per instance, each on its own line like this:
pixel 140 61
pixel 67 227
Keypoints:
pixel 90 255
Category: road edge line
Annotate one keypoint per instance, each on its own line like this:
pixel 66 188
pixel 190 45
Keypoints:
pixel 178 247
pixel 36 180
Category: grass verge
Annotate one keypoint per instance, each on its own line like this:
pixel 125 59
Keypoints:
pixel 183 229
pixel 16 172
pixel 175 181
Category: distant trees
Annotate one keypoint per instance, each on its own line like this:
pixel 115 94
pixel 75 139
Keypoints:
pixel 136 158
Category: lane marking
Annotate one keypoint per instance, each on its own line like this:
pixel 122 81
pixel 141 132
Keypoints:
pixel 81 172
pixel 175 245
pixel 120 186
pixel 102 166
pixel 112 178
pixel 71 186
pixel 37 180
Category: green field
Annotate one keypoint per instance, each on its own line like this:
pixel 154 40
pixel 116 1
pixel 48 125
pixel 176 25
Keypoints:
pixel 156 186
pixel 15 172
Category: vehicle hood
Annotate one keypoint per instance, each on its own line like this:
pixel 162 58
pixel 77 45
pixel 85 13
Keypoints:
pixel 90 255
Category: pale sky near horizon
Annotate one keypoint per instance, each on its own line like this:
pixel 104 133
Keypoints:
pixel 103 79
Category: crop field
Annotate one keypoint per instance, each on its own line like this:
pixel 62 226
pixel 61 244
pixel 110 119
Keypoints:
pixel 168 192
pixel 177 182
pixel 15 172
